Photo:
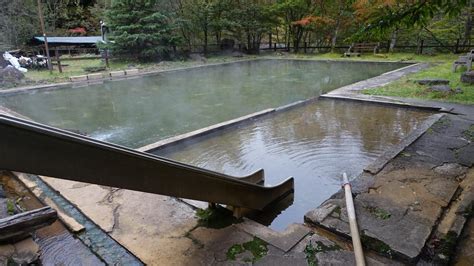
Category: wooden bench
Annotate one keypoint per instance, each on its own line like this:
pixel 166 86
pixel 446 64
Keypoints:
pixel 464 60
pixel 356 49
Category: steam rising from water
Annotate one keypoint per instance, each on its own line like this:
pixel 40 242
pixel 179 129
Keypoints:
pixel 140 111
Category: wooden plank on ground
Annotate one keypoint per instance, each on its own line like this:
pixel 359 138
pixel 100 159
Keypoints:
pixel 16 227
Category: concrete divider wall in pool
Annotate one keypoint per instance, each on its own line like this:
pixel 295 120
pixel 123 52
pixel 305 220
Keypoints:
pixel 144 110
pixel 315 143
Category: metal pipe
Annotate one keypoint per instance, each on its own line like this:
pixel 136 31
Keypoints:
pixel 358 252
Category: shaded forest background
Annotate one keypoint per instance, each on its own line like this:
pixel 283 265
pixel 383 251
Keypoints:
pixel 151 28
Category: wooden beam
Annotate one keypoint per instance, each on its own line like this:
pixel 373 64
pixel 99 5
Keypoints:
pixel 16 227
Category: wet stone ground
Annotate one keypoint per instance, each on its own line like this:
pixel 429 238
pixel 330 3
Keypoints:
pixel 427 186
pixel 51 245
pixel 412 210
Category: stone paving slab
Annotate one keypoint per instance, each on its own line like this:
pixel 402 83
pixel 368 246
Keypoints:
pixel 283 240
pixel 379 80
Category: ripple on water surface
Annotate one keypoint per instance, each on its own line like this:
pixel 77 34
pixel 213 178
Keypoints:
pixel 314 143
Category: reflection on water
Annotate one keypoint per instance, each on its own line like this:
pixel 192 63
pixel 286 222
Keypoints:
pixel 64 249
pixel 140 111
pixel 314 143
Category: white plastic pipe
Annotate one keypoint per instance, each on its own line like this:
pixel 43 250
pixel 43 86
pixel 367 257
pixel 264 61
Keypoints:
pixel 358 252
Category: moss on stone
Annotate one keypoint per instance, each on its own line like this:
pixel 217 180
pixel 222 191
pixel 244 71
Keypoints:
pixel 234 251
pixel 257 247
pixel 379 213
pixel 337 212
pixel 469 211
pixel 10 207
pixel 216 218
pixel 445 249
pixel 442 123
pixel 377 246
pixel 311 250
pixel 469 133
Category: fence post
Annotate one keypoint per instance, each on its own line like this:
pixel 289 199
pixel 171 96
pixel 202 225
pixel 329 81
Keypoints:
pixel 56 54
pixel 270 41
pixel 106 54
pixel 275 47
pixel 420 48
pixel 305 46
pixel 456 47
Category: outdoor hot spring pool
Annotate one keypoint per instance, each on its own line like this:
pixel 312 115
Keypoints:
pixel 315 142
pixel 137 112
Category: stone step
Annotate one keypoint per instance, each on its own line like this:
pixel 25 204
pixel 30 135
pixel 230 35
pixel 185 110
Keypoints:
pixel 440 247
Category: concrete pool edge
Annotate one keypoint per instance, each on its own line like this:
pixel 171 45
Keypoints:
pixel 203 131
pixel 176 140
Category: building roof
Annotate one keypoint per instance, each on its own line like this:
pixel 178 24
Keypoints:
pixel 70 40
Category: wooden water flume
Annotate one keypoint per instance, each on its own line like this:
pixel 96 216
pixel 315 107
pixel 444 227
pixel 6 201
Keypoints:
pixel 35 148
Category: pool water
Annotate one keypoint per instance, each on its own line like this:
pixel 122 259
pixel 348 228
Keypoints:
pixel 140 111
pixel 314 143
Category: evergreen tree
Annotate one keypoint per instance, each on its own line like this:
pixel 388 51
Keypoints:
pixel 138 29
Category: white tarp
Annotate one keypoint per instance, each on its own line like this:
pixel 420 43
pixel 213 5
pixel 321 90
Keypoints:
pixel 14 61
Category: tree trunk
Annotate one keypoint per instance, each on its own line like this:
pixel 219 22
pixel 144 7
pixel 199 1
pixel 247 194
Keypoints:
pixel 334 37
pixel 205 41
pixel 249 43
pixel 298 34
pixel 468 25
pixel 393 40
pixel 270 40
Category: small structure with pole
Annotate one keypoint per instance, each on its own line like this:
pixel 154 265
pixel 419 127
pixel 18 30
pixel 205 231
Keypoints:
pixel 40 13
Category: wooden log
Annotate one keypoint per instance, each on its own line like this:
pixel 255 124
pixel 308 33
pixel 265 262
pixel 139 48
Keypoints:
pixel 17 227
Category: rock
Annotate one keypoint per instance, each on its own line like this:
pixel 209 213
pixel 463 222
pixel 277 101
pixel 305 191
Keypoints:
pixel 237 54
pixel 432 81
pixel 2 192
pixel 467 77
pixel 3 208
pixel 6 251
pixel 319 214
pixel 26 251
pixel 451 170
pixel 198 57
pixel 458 90
pixel 441 88
pixel 3 62
pixel 10 75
